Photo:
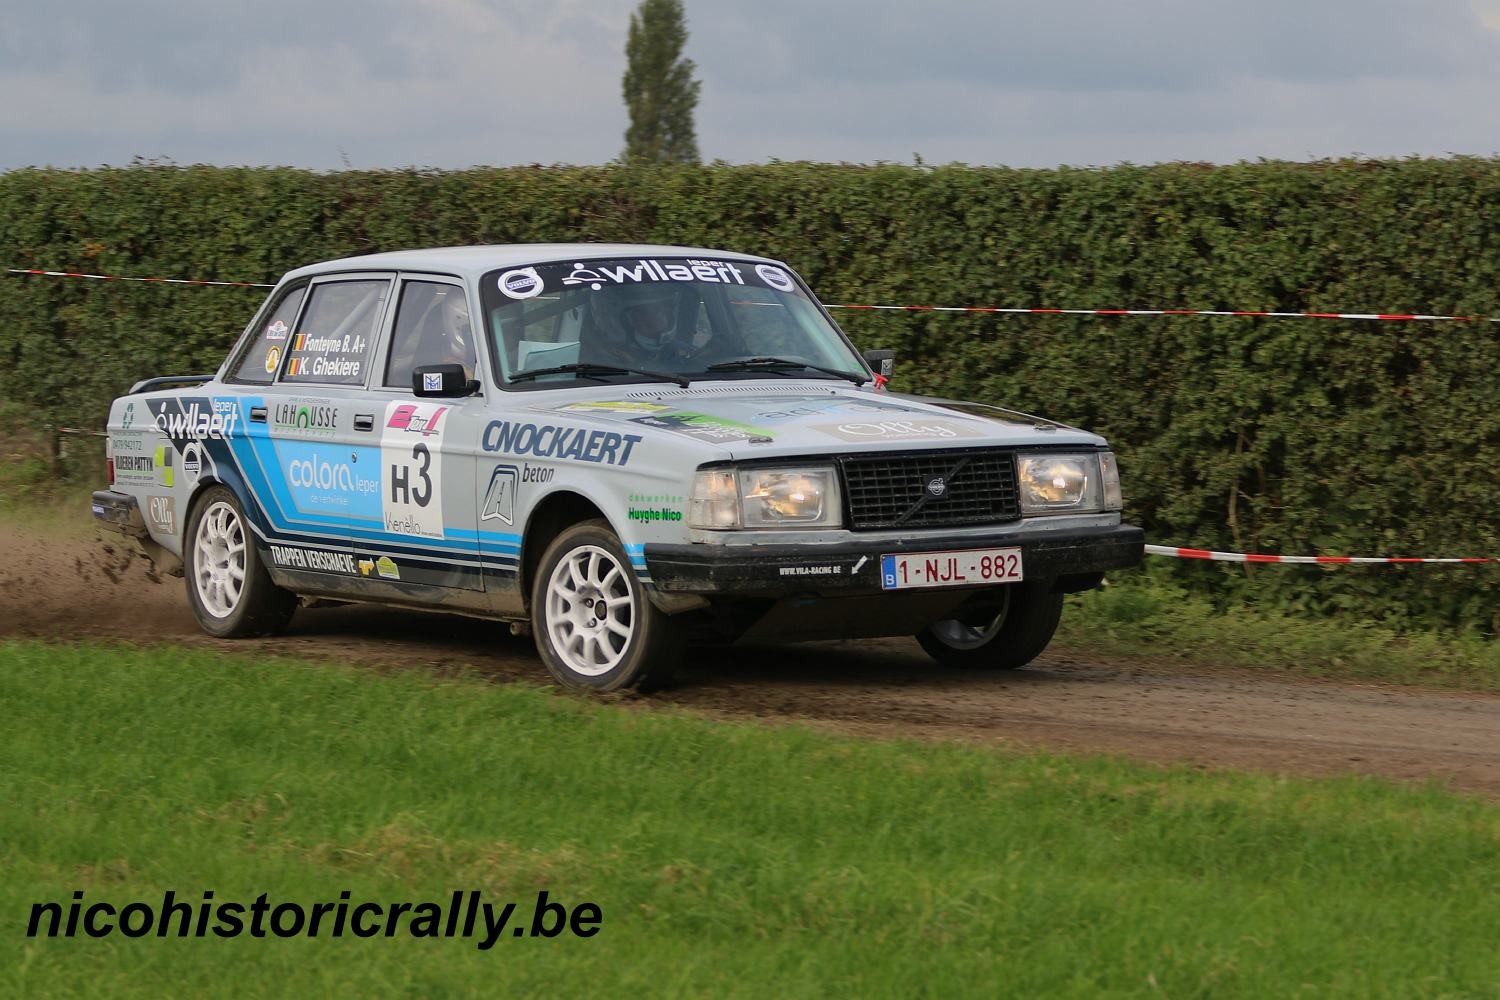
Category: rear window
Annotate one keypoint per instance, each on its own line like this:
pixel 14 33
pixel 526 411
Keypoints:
pixel 260 361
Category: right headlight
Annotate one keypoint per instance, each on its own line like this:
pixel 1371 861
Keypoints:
pixel 791 497
pixel 1068 484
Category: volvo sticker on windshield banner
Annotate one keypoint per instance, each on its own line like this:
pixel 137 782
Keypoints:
pixel 529 282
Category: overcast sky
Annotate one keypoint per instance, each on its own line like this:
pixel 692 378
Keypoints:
pixel 369 84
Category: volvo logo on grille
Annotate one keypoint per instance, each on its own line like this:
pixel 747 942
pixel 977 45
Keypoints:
pixel 937 487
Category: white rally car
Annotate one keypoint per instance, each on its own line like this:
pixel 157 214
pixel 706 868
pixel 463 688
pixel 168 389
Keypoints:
pixel 619 447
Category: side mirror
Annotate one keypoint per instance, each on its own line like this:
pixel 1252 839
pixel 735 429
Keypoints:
pixel 442 381
pixel 880 362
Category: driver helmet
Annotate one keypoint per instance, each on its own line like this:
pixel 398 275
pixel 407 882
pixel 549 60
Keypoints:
pixel 455 309
pixel 640 319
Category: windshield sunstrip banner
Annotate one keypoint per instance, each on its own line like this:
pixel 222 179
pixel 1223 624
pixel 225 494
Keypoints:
pixel 529 282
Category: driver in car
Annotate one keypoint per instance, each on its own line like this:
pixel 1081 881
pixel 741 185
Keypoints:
pixel 648 324
pixel 451 340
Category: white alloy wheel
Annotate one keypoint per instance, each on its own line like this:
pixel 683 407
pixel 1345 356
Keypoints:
pixel 590 615
pixel 219 566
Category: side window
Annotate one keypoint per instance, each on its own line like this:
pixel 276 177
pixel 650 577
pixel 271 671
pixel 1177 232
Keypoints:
pixel 261 359
pixel 432 328
pixel 332 343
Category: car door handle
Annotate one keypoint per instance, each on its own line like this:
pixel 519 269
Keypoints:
pixel 258 414
pixel 364 421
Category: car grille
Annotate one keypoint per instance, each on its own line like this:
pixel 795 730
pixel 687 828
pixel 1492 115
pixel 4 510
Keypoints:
pixel 891 491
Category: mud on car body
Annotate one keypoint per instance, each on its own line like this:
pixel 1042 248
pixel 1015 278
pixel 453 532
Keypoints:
pixel 618 447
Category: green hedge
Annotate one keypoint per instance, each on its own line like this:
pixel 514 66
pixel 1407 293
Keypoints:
pixel 1286 436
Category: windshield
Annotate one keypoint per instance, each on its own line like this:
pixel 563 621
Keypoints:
pixel 673 315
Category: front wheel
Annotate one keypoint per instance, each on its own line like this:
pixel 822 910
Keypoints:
pixel 594 625
pixel 231 594
pixel 1027 617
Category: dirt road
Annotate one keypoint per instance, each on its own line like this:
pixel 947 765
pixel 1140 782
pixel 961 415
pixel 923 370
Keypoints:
pixel 1167 712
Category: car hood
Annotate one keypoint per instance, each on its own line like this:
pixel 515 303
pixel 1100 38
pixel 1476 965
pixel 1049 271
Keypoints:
pixel 758 420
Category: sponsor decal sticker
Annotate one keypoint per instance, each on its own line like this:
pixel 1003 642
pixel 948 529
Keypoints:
pixel 327 480
pixel 703 426
pixel 613 406
pixel 276 331
pixel 651 515
pixel 366 567
pixel 500 498
pixel 432 381
pixel 648 269
pixel 812 571
pixel 417 418
pixel 192 462
pixel 896 430
pixel 522 283
pixel 776 277
pixel 164 472
pixel 654 508
pixel 297 417
pixel 135 469
pixel 386 567
pixel 162 513
pixel 320 560
pixel 411 456
pixel 824 407
pixel 273 359
pixel 198 419
pixel 129 415
pixel 510 437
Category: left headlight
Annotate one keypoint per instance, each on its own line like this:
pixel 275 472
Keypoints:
pixel 1068 484
pixel 765 498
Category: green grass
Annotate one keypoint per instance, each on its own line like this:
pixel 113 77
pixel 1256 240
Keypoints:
pixel 728 859
pixel 1141 616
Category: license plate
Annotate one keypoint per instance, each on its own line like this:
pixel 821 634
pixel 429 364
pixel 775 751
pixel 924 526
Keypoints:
pixel 949 569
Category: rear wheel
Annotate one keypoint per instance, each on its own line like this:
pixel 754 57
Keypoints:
pixel 230 592
pixel 1011 637
pixel 594 625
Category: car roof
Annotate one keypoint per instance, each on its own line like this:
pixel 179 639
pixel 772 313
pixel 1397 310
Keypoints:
pixel 473 261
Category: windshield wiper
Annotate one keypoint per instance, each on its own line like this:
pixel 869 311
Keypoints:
pixel 752 364
pixel 588 369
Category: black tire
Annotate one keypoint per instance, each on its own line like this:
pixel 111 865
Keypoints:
pixel 1024 626
pixel 571 616
pixel 219 543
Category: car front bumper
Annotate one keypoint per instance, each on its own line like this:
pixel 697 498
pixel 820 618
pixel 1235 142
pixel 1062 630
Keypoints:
pixel 1075 558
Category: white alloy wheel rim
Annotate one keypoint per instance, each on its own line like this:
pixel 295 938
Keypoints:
pixel 590 611
pixel 955 634
pixel 219 560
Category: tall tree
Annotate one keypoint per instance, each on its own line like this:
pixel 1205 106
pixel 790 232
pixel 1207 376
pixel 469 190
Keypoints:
pixel 660 92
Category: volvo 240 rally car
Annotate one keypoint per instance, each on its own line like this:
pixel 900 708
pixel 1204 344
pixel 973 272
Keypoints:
pixel 616 446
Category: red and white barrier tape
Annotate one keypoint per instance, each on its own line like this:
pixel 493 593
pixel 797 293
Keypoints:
pixel 993 310
pixel 1254 313
pixel 155 281
pixel 1178 552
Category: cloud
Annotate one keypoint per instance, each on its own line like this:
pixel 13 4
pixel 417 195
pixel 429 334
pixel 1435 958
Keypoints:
pixel 452 83
pixel 1069 45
